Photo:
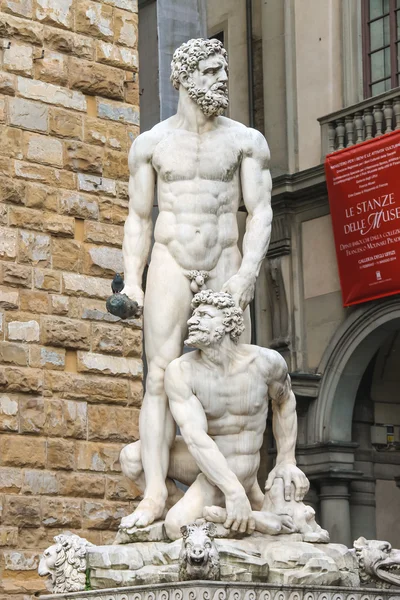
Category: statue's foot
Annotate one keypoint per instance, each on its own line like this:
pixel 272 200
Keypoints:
pixel 147 511
pixel 214 514
pixel 267 522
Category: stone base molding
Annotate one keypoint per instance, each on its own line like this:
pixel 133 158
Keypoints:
pixel 233 591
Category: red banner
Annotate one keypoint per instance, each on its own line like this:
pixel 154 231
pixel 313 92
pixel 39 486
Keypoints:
pixel 364 196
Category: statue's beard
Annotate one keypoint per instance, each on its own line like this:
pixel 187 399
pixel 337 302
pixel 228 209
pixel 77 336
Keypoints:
pixel 201 336
pixel 213 102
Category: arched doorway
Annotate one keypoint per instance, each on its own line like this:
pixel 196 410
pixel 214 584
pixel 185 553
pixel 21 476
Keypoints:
pixel 354 475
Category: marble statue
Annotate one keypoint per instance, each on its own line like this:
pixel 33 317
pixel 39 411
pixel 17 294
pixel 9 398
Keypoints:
pixel 204 165
pixel 64 564
pixel 199 558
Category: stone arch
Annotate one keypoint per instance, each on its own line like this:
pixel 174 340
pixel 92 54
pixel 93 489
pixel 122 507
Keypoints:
pixel 343 364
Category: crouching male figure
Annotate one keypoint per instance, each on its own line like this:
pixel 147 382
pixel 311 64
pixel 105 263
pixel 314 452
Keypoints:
pixel 218 396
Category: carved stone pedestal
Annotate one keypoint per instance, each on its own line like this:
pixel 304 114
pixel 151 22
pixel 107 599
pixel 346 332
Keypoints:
pixel 194 590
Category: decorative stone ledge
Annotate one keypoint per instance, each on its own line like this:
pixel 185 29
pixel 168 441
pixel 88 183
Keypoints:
pixel 234 591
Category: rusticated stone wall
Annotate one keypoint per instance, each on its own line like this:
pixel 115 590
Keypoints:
pixel 70 375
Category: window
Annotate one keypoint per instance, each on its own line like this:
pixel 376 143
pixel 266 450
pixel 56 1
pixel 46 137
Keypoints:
pixel 381 45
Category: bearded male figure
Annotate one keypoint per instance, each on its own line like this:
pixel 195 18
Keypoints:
pixel 204 164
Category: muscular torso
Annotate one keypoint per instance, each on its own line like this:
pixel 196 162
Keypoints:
pixel 198 194
pixel 236 407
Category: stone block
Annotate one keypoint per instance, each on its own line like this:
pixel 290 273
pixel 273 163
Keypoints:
pixel 79 485
pixel 135 394
pixel 15 28
pixel 132 95
pixel 132 342
pixel 59 304
pixel 121 488
pixel 22 451
pixel 95 131
pixel 28 114
pixel 47 175
pixel 113 210
pixel 13 354
pixel 117 56
pixel 97 233
pixel 94 19
pixel 113 423
pixel 68 333
pixel 124 113
pixel 83 157
pixel 103 261
pixel 107 338
pixel 10 480
pixel 8 536
pixel 116 164
pixel 125 28
pixel 92 183
pixel 34 248
pixel 90 362
pixel 65 123
pixel 21 8
pixel 10 141
pixel 130 5
pixel 35 538
pixel 9 299
pixel 55 12
pixel 8 84
pixel 54 418
pixel 24 331
pixel 82 387
pixel 53 68
pixel 50 93
pixel 21 560
pixel 17 379
pixel 38 482
pixel 32 417
pixel 60 454
pixel 61 512
pixel 45 279
pixel 69 43
pixel 8 244
pixel 18 59
pixel 99 457
pixel 35 219
pixel 117 138
pixel 96 79
pixel 21 511
pixel 103 515
pixel 67 255
pixel 8 413
pixel 75 419
pixel 3 109
pixel 18 275
pixel 79 205
pixel 12 191
pixel 41 197
pixel 47 358
pixel 3 214
pixel 82 285
pixel 43 149
pixel 35 302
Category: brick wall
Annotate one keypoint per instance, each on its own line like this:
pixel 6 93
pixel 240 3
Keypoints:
pixel 70 375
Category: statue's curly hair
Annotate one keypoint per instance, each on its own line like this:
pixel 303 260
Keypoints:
pixel 187 56
pixel 223 301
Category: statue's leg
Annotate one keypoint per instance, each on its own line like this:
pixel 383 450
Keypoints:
pixel 166 310
pixel 202 493
pixel 182 468
pixel 256 497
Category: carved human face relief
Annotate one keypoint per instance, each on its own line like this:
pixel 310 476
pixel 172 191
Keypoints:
pixel 206 326
pixel 207 85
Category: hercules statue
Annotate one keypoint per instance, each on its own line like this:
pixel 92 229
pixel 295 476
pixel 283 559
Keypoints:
pixel 204 166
